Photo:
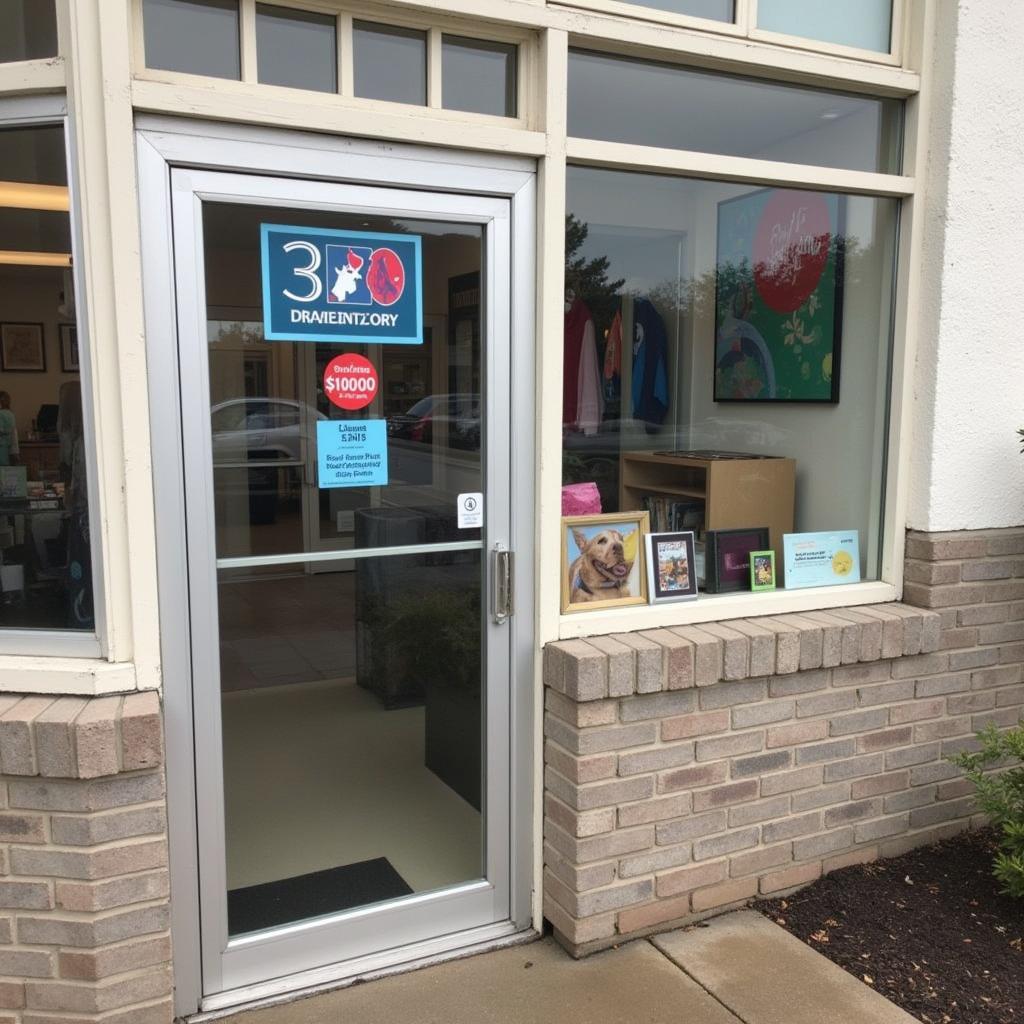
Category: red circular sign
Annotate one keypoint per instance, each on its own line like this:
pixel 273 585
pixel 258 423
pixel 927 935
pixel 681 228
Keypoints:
pixel 386 277
pixel 350 381
pixel 791 248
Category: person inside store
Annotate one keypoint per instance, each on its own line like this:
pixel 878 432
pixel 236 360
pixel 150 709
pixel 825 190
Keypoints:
pixel 9 450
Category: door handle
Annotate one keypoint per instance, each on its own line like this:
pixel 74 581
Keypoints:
pixel 502 583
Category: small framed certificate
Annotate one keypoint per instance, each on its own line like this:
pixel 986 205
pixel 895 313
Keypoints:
pixel 821 559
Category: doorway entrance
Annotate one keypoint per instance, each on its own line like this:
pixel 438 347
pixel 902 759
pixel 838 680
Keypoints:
pixel 352 652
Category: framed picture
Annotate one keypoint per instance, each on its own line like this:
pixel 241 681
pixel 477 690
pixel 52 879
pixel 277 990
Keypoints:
pixel 671 566
pixel 69 348
pixel 727 557
pixel 22 349
pixel 779 296
pixel 603 561
pixel 762 570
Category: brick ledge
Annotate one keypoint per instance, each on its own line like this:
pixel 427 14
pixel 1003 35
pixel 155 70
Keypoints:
pixel 79 737
pixel 678 657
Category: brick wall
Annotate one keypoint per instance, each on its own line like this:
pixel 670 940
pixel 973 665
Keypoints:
pixel 83 862
pixel 690 769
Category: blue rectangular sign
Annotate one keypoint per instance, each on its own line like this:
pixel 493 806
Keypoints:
pixel 821 559
pixel 351 453
pixel 350 286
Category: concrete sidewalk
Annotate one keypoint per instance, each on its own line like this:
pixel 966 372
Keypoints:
pixel 738 969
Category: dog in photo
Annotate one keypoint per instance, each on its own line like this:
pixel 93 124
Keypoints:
pixel 602 570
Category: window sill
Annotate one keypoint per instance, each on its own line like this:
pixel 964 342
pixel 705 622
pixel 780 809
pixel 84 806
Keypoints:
pixel 720 607
pixel 87 677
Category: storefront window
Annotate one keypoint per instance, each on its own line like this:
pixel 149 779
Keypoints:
pixel 390 63
pixel 199 37
pixel 296 48
pixel 866 25
pixel 648 104
pixel 28 30
pixel 706 322
pixel 479 76
pixel 45 553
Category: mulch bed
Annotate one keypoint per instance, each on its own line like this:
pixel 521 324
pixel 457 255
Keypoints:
pixel 929 930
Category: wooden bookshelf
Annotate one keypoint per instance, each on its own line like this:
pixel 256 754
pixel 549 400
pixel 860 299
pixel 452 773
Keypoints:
pixel 737 491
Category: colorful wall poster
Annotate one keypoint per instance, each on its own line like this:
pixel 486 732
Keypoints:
pixel 778 296
pixel 821 559
pixel 351 453
pixel 320 284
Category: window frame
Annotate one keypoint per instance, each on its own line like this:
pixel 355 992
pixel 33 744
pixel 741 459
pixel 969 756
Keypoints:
pixel 744 26
pixel 902 340
pixel 434 22
pixel 27 112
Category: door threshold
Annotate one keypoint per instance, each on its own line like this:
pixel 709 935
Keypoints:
pixel 365 968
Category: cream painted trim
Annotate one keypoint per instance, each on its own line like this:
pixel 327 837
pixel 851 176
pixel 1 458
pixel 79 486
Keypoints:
pixel 905 319
pixel 623 156
pixel 81 676
pixel 720 607
pixel 110 282
pixel 190 95
pixel 550 312
pixel 247 41
pixel 29 76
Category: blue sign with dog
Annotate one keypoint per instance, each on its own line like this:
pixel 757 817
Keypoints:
pixel 351 286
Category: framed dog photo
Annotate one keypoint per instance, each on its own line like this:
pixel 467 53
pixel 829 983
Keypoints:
pixel 727 557
pixel 762 570
pixel 603 561
pixel 671 566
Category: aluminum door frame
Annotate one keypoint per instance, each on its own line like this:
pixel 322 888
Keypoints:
pixel 166 143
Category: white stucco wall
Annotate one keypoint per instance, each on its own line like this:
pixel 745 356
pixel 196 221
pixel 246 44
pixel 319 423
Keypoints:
pixel 969 401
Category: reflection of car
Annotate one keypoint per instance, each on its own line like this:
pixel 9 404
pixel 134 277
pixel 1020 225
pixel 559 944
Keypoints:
pixel 460 413
pixel 257 431
pixel 270 429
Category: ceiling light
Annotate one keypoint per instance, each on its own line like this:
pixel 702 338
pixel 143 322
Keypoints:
pixel 35 259
pixel 24 195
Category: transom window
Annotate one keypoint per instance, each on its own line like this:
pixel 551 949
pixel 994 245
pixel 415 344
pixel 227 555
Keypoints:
pixel 299 49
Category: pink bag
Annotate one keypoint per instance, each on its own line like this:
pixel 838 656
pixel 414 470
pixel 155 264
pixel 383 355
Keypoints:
pixel 581 500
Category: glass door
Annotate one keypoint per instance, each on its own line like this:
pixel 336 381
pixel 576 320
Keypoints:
pixel 346 497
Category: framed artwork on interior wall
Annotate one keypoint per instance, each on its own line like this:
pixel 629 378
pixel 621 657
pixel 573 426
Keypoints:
pixel 603 561
pixel 69 348
pixel 671 566
pixel 779 296
pixel 727 557
pixel 22 349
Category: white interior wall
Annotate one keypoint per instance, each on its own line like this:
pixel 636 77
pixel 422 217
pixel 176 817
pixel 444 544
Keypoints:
pixel 967 472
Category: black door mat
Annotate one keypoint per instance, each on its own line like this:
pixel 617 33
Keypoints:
pixel 320 892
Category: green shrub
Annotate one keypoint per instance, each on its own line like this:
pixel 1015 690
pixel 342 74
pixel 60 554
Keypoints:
pixel 1001 797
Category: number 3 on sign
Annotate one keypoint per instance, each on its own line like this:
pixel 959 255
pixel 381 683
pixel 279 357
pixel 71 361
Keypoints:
pixel 309 271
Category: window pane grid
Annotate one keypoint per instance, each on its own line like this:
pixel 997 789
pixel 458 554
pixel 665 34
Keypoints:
pixel 294 47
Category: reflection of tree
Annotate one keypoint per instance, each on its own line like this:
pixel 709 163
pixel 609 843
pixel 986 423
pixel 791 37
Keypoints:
pixel 589 278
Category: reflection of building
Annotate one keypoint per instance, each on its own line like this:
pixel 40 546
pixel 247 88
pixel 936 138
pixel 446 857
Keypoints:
pixel 314 713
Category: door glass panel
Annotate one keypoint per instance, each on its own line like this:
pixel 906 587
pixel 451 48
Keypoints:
pixel 351 687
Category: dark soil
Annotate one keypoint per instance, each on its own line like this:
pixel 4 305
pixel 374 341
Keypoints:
pixel 929 930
